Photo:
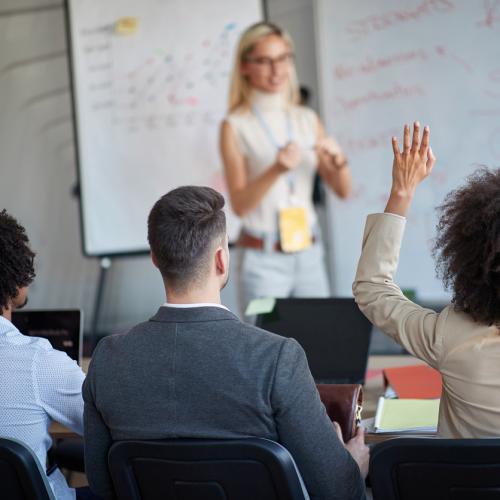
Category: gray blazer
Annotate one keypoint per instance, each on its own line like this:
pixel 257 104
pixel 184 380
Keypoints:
pixel 202 373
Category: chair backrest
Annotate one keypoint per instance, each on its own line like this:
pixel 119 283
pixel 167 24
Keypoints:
pixel 436 469
pixel 21 476
pixel 193 469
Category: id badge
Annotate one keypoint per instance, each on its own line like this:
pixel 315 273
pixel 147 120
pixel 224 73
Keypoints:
pixel 295 233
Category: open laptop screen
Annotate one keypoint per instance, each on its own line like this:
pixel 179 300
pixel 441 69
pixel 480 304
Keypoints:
pixel 62 328
pixel 333 332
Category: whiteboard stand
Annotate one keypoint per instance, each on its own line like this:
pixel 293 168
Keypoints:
pixel 104 267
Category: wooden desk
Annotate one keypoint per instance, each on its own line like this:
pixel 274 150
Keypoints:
pixel 374 384
pixel 85 364
pixel 374 388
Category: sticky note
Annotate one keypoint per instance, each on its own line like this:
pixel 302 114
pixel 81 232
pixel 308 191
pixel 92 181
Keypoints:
pixel 260 306
pixel 410 293
pixel 126 26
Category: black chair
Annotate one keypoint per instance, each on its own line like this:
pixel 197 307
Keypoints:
pixel 21 476
pixel 192 469
pixel 436 469
pixel 67 453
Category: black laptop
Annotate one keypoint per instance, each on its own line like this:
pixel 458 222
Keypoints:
pixel 62 328
pixel 333 332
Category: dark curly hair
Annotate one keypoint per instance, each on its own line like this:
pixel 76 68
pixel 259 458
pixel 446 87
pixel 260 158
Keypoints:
pixel 467 248
pixel 16 259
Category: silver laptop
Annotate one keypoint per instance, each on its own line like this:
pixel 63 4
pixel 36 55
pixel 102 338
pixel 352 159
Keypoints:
pixel 63 328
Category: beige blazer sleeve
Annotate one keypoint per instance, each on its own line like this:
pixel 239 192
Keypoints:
pixel 381 300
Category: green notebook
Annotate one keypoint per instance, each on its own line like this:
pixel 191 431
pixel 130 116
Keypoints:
pixel 407 415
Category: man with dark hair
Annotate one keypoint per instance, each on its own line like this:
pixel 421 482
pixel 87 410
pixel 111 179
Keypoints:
pixel 181 250
pixel 38 383
pixel 194 370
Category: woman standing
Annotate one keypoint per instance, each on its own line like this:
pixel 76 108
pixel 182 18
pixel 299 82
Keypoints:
pixel 271 148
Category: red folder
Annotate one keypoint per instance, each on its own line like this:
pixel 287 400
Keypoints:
pixel 414 382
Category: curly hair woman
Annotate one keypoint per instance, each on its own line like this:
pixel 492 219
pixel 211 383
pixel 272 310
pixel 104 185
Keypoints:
pixel 468 246
pixel 462 341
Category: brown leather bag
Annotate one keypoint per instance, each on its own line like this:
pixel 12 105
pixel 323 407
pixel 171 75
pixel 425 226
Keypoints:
pixel 343 403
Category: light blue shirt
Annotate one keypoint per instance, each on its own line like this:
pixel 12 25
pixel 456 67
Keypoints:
pixel 38 385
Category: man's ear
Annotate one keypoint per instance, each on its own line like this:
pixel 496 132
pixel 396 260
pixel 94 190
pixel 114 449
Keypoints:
pixel 221 262
pixel 154 260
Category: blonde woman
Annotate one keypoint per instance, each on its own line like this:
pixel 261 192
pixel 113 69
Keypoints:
pixel 271 148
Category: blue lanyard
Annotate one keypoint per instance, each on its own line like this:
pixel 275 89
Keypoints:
pixel 274 142
pixel 268 131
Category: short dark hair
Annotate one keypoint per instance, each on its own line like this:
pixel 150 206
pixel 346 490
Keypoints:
pixel 16 259
pixel 468 246
pixel 183 226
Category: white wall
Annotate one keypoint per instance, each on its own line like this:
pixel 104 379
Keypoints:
pixel 37 151
pixel 297 17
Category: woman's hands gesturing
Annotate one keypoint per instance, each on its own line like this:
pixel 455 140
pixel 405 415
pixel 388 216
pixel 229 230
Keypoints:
pixel 289 157
pixel 409 168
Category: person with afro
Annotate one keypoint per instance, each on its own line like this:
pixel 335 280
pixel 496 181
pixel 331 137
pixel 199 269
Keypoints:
pixel 39 384
pixel 462 342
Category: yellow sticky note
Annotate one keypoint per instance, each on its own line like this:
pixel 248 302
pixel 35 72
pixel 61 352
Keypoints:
pixel 126 26
pixel 260 306
pixel 295 233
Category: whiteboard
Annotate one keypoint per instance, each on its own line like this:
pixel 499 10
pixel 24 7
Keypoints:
pixel 150 81
pixel 384 63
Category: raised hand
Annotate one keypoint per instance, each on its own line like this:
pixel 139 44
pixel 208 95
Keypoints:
pixel 289 157
pixel 415 163
pixel 409 168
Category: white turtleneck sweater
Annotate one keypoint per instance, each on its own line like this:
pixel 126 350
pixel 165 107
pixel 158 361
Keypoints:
pixel 260 153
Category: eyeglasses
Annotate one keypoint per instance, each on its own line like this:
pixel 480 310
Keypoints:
pixel 270 62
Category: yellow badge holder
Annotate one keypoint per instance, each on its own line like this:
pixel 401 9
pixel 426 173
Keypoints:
pixel 295 233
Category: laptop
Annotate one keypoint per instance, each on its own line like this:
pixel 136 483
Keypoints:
pixel 62 328
pixel 333 332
